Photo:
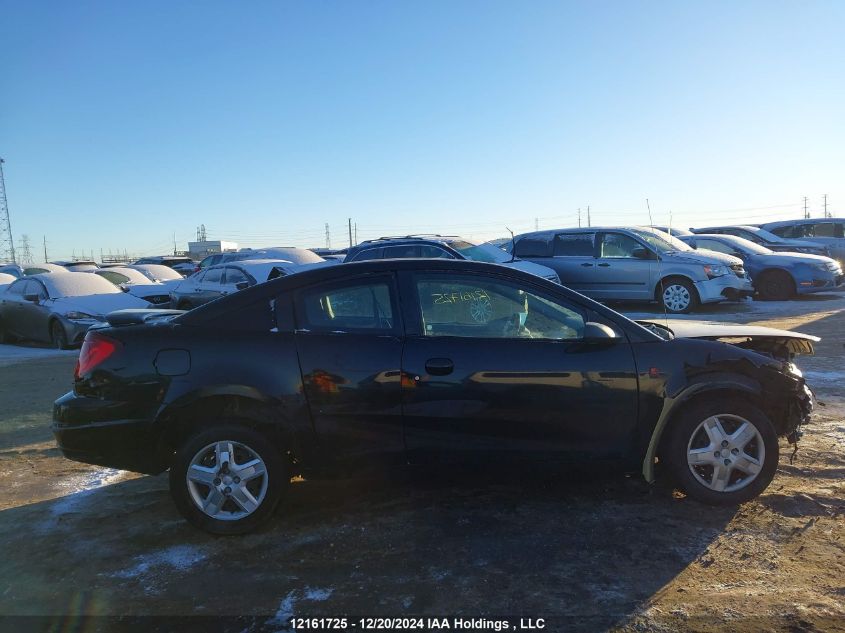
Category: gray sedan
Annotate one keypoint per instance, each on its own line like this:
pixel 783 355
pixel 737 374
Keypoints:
pixel 59 309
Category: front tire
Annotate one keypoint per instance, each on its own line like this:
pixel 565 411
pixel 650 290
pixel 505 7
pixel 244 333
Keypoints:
pixel 677 295
pixel 58 336
pixel 227 479
pixel 776 285
pixel 722 453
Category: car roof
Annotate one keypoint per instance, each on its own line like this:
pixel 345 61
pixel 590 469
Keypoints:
pixel 258 268
pixel 770 225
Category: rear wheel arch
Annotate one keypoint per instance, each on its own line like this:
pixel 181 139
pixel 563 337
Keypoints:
pixel 179 422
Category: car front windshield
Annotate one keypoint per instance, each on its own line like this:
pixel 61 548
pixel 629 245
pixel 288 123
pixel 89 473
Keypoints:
pixel 661 242
pixel 741 244
pixel 769 236
pixel 480 252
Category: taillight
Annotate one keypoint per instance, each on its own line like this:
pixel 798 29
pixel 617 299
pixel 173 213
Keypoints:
pixel 95 349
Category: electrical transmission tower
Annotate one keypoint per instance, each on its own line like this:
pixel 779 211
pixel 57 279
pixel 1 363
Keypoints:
pixel 25 254
pixel 7 245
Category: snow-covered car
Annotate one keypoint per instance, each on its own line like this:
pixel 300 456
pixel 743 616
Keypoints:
pixel 158 272
pixel 17 271
pixel 224 279
pixel 138 284
pixel 59 309
pixel 78 266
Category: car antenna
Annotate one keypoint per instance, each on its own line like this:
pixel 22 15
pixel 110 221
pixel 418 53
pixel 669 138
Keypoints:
pixel 659 274
pixel 513 245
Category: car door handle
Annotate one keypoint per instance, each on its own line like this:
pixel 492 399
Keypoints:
pixel 604 265
pixel 439 366
pixel 586 264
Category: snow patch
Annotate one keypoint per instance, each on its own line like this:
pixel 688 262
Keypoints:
pixel 76 491
pixel 12 354
pixel 824 376
pixel 178 558
pixel 317 595
pixel 286 607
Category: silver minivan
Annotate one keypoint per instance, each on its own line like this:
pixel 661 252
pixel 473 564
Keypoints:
pixel 633 264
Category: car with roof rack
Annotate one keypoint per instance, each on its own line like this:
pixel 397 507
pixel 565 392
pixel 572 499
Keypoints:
pixel 443 247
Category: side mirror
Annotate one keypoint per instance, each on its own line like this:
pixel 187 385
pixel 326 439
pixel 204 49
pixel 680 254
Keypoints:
pixel 641 253
pixel 31 298
pixel 242 285
pixel 599 333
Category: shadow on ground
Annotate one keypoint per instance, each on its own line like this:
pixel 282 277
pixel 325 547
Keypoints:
pixel 558 544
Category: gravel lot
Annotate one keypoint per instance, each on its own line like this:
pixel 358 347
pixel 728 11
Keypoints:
pixel 588 550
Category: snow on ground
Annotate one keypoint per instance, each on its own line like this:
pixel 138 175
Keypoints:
pixel 75 491
pixel 177 557
pixel 11 354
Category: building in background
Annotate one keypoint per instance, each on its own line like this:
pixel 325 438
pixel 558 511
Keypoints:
pixel 199 250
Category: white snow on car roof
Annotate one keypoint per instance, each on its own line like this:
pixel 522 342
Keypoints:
pixel 135 276
pixel 76 285
pixel 158 271
pixel 50 268
pixel 261 268
pixel 7 279
pixel 292 254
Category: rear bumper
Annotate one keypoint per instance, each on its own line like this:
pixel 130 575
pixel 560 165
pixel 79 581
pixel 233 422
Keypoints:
pixel 95 431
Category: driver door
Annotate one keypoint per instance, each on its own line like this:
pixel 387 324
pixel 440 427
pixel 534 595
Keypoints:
pixel 496 367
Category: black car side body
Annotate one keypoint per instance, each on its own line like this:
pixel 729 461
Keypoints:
pixel 336 399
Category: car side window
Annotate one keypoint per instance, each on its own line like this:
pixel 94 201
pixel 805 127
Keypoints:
pixel 213 276
pixel 37 288
pixel 827 229
pixel 427 250
pixel 235 276
pixel 534 247
pixel 34 271
pixel 17 287
pixel 403 251
pixel 476 306
pixel 368 253
pixel 618 245
pixel 574 244
pixel 367 306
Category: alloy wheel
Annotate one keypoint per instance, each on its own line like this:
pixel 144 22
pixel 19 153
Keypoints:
pixel 227 480
pixel 726 453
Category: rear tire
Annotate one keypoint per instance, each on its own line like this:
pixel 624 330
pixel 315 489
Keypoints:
pixel 776 285
pixel 722 453
pixel 58 336
pixel 678 295
pixel 235 495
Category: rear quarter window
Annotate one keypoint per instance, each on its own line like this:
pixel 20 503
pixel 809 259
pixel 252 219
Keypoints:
pixel 574 244
pixel 533 247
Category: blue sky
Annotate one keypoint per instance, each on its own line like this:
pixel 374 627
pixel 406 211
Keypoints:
pixel 124 123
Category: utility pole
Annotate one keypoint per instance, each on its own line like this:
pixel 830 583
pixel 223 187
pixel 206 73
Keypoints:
pixel 328 237
pixel 356 232
pixel 588 216
pixel 826 214
pixel 806 213
pixel 45 250
pixel 579 217
pixel 7 245
pixel 350 232
pixel 536 224
pixel 174 243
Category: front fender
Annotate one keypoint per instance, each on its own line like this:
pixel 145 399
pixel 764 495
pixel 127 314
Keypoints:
pixel 671 404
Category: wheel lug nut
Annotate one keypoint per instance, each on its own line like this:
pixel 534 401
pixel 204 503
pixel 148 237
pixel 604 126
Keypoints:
pixel 727 462
pixel 227 489
pixel 717 454
pixel 217 481
pixel 237 480
pixel 735 451
pixel 724 442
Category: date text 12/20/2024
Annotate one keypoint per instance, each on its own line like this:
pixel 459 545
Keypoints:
pixel 416 624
